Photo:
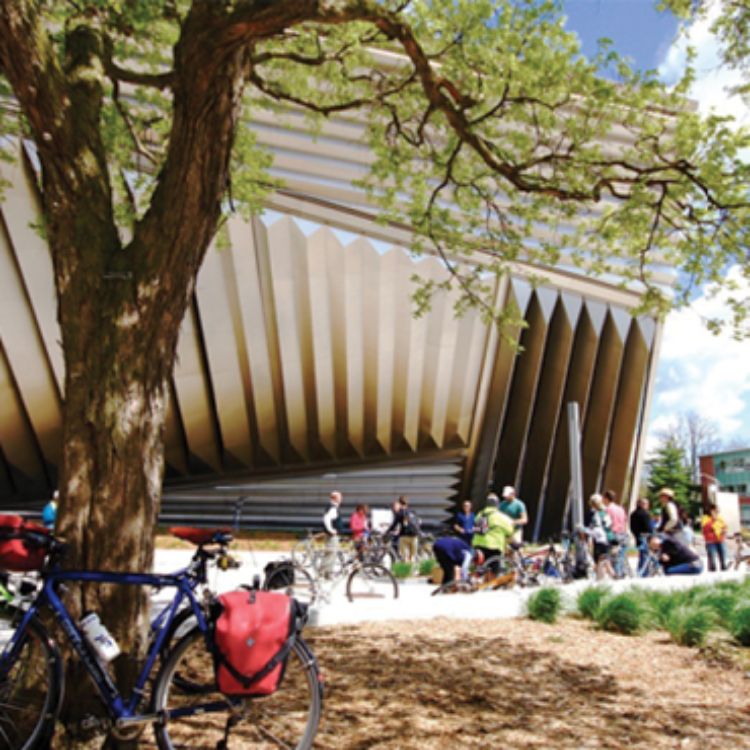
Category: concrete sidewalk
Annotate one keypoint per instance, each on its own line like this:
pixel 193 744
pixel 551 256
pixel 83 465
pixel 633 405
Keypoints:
pixel 415 601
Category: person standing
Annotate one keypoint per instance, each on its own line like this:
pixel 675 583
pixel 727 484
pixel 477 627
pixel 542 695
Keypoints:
pixel 714 533
pixel 619 530
pixel 49 512
pixel 515 509
pixel 332 526
pixel 463 522
pixel 641 528
pixel 492 529
pixel 670 514
pixel 359 524
pixel 600 531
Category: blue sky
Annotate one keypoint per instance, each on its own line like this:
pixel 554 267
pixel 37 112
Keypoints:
pixel 637 30
pixel 697 371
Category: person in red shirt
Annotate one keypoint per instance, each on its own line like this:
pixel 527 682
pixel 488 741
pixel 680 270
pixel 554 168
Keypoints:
pixel 714 533
pixel 359 523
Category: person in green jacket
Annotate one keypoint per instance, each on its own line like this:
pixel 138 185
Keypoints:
pixel 493 529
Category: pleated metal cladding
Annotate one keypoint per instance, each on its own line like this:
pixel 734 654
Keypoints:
pixel 300 357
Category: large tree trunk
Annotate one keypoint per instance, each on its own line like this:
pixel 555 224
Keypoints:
pixel 118 370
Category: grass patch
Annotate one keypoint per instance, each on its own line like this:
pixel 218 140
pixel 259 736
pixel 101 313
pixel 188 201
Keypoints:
pixel 739 623
pixel 544 605
pixel 689 624
pixel 624 613
pixel 590 599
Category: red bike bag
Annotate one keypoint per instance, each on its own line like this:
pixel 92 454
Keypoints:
pixel 23 544
pixel 253 635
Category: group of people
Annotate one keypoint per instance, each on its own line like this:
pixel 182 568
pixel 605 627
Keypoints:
pixel 669 537
pixel 404 529
pixel 482 535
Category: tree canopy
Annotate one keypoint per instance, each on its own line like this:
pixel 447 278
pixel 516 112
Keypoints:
pixel 490 132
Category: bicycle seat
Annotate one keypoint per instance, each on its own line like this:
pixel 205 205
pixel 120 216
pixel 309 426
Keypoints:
pixel 199 536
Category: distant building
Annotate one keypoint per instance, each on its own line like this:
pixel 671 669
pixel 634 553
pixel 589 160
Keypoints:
pixel 728 471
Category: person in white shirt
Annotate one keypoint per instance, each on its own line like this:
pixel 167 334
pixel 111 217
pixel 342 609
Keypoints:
pixel 332 526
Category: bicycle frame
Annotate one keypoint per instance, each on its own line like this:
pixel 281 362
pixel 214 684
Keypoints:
pixel 118 708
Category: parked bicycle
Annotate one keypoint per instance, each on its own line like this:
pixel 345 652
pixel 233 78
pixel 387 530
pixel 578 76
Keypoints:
pixel 363 580
pixel 184 708
pixel 494 573
pixel 741 552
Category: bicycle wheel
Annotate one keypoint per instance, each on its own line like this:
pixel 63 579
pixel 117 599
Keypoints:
pixel 301 552
pixel 301 587
pixel 370 581
pixel 286 719
pixel 30 685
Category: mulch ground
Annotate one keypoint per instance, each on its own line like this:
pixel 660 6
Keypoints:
pixel 448 684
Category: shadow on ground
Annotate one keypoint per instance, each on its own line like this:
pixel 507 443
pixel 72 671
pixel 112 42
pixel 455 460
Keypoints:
pixel 405 690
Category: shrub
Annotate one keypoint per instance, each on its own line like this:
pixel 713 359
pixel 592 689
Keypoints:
pixel 426 567
pixel 739 623
pixel 402 569
pixel 720 602
pixel 659 606
pixel 688 624
pixel 590 599
pixel 544 605
pixel 624 613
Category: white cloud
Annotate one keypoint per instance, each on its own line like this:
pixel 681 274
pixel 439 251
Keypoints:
pixel 713 78
pixel 703 372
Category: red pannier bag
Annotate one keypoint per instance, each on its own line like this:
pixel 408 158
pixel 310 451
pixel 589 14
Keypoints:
pixel 253 636
pixel 22 544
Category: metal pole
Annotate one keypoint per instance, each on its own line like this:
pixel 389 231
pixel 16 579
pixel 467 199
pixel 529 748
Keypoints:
pixel 576 474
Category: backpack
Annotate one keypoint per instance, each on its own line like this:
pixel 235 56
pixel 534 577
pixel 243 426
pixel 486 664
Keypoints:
pixel 23 544
pixel 253 634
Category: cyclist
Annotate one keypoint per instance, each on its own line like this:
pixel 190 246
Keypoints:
pixel 452 552
pixel 492 530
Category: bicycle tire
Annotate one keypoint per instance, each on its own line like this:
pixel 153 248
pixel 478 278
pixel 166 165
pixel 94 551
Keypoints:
pixel 370 581
pixel 30 685
pixel 287 718
pixel 302 588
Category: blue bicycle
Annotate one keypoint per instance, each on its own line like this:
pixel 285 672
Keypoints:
pixel 184 707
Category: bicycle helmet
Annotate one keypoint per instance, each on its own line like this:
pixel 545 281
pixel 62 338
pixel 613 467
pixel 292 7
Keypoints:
pixel 479 557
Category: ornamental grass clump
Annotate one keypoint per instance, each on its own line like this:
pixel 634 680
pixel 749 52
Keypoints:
pixel 402 569
pixel 721 602
pixel 589 601
pixel 544 605
pixel 689 624
pixel 739 623
pixel 659 606
pixel 624 613
pixel 426 567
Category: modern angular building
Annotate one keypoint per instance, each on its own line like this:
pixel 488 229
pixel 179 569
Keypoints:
pixel 301 367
